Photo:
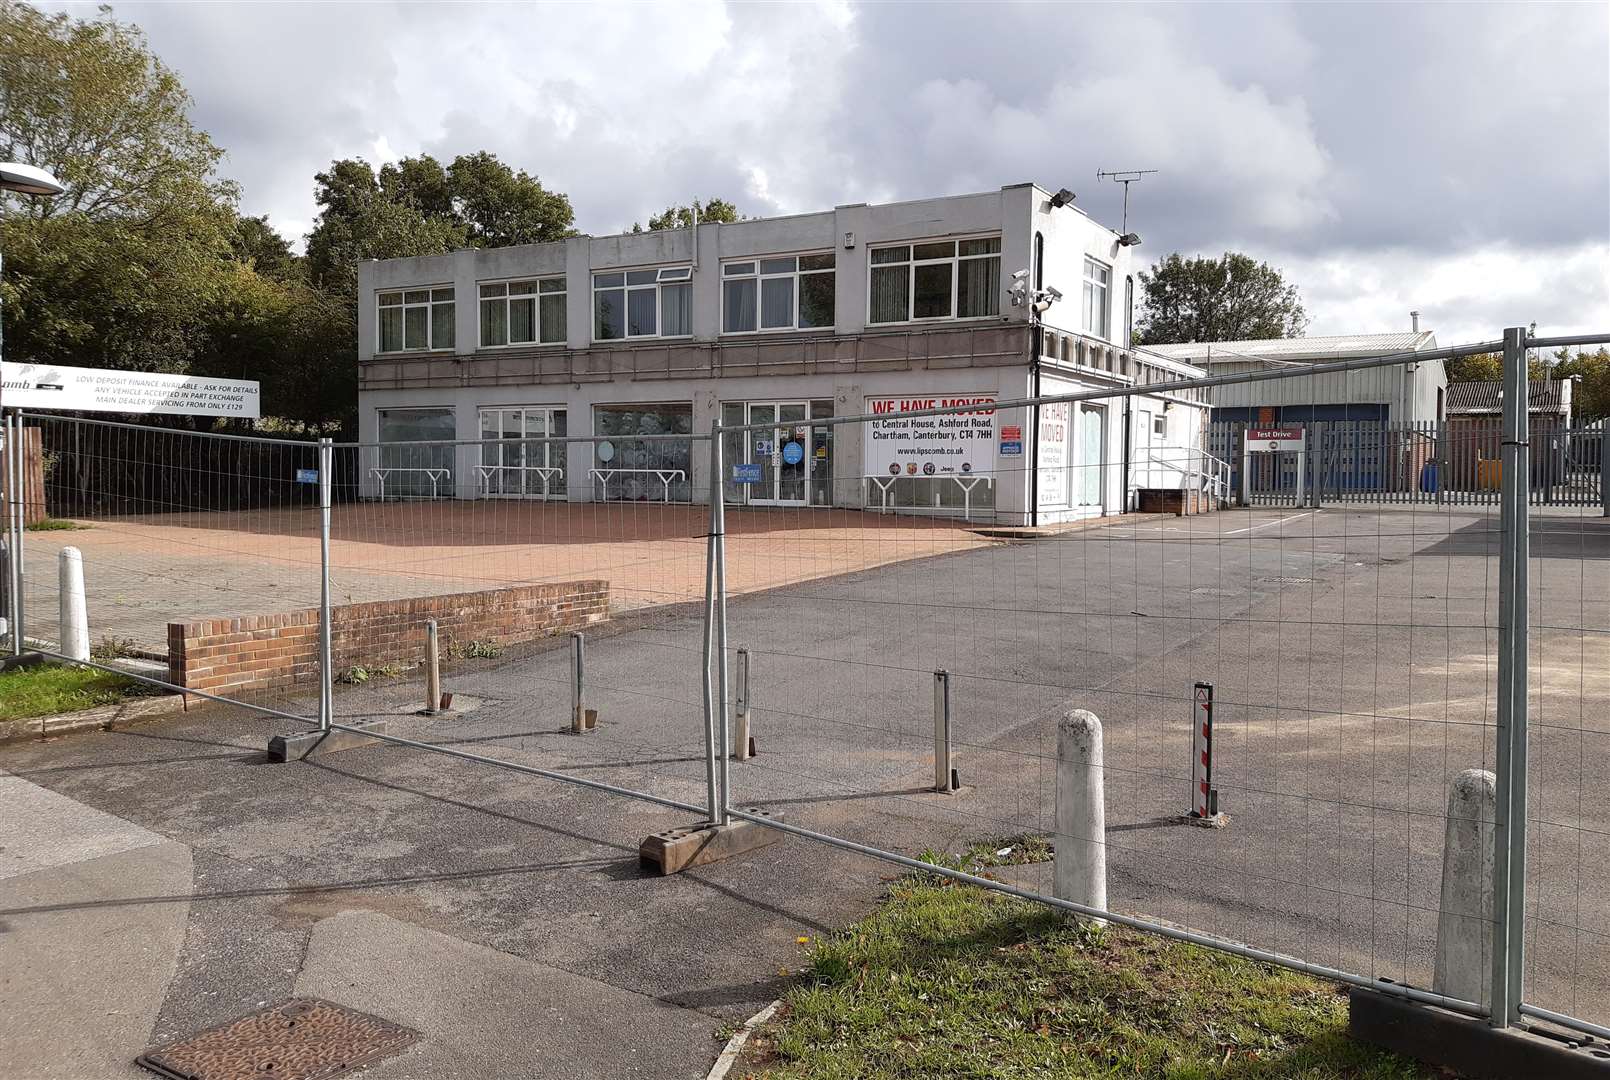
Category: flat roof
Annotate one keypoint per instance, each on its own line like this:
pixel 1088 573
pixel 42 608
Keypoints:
pixel 1298 349
pixel 803 214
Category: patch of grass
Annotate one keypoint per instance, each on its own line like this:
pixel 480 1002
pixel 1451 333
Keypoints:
pixel 55 525
pixel 484 650
pixel 112 648
pixel 1021 850
pixel 949 980
pixel 50 689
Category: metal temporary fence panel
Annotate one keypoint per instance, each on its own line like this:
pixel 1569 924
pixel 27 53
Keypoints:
pixel 1346 649
pixel 512 544
pixel 1311 629
pixel 182 534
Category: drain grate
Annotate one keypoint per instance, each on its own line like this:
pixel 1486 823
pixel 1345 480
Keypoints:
pixel 1285 581
pixel 298 1039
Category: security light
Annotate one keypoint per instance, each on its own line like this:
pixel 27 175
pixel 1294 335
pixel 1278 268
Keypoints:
pixel 28 179
pixel 1129 239
pixel 1053 293
pixel 1062 198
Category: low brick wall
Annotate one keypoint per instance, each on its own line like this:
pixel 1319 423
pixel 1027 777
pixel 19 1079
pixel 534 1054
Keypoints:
pixel 259 652
pixel 1173 501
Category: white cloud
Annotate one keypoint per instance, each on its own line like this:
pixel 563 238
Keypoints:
pixel 1387 156
pixel 1465 297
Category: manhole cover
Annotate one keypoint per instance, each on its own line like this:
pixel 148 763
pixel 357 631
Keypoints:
pixel 298 1039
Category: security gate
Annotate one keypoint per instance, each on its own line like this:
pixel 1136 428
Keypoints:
pixel 1411 462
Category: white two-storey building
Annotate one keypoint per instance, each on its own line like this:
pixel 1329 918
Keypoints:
pixel 781 322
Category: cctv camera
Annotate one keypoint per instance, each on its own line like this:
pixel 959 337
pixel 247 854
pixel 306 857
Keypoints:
pixel 1020 275
pixel 1053 292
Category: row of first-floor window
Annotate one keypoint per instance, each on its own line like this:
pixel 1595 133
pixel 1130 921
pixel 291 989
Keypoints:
pixel 932 280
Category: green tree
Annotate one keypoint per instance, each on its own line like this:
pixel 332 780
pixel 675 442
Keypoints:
pixel 112 272
pixel 500 206
pixel 258 245
pixel 417 206
pixel 288 335
pixel 1483 367
pixel 1591 398
pixel 360 223
pixel 681 217
pixel 1234 298
pixel 412 207
pixel 1489 367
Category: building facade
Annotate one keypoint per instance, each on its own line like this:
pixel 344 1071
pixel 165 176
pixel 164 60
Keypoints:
pixel 780 322
pixel 1408 393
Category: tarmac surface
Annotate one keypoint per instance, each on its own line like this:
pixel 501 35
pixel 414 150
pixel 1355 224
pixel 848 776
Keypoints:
pixel 171 878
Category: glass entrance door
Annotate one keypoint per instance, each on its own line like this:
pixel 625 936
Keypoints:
pixel 1092 448
pixel 782 450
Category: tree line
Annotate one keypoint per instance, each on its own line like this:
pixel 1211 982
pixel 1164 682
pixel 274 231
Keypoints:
pixel 146 262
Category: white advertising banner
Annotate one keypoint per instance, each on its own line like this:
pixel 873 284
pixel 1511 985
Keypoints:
pixel 1056 433
pixel 957 444
pixel 51 386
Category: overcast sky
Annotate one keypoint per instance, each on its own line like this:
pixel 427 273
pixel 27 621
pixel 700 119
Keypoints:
pixel 1450 158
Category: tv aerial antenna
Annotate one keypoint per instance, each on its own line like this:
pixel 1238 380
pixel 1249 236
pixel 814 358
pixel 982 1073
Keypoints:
pixel 1124 177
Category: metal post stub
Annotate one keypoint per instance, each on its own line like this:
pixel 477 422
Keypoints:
pixel 582 719
pixel 1204 796
pixel 944 771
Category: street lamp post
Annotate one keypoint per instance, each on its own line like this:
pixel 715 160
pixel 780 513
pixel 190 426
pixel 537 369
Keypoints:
pixel 25 180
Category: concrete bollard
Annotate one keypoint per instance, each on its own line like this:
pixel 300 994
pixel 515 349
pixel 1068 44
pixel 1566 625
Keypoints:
pixel 433 669
pixel 1464 919
pixel 74 616
pixel 1080 855
pixel 742 741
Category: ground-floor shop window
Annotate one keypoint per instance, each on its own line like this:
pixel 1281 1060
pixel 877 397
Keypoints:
pixel 629 467
pixel 415 455
pixel 518 455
